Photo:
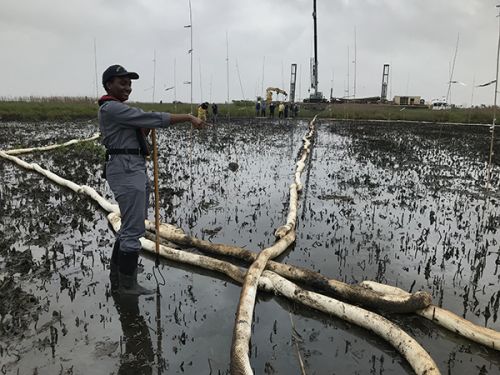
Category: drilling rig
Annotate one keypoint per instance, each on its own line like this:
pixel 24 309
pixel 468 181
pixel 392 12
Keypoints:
pixel 315 96
pixel 293 81
pixel 385 83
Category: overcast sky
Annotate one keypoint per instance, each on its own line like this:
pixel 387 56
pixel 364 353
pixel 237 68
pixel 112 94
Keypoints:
pixel 47 47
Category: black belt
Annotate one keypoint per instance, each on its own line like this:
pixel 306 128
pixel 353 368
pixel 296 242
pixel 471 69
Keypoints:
pixel 121 151
pixel 125 151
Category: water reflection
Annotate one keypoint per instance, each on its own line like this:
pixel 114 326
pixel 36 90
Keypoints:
pixel 137 354
pixel 395 203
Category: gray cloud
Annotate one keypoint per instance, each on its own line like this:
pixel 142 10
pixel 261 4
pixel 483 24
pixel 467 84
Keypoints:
pixel 47 46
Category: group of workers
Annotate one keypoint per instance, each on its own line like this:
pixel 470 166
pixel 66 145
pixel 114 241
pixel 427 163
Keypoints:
pixel 285 109
pixel 203 111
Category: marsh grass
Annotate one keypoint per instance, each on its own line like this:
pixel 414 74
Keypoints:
pixel 85 108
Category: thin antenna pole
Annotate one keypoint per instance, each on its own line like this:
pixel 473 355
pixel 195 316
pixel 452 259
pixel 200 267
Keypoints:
pixel 390 82
pixel 348 79
pixel 227 70
pixel 210 96
pixel 154 74
pixel 472 94
pixel 191 111
pixel 471 97
pixel 331 88
pixel 300 82
pixel 157 194
pixel 191 52
pixel 263 70
pixel 239 77
pixel 282 75
pixel 448 94
pixel 95 68
pixel 201 85
pixel 494 107
pixel 407 83
pixel 175 85
pixel 355 61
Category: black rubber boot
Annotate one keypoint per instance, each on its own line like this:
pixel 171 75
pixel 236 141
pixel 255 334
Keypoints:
pixel 114 266
pixel 128 275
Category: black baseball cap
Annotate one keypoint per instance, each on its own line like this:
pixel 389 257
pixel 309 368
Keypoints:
pixel 117 71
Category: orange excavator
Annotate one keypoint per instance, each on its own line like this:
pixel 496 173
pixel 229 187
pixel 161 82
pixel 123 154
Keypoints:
pixel 269 93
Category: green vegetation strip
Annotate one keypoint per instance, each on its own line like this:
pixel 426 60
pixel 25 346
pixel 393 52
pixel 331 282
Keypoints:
pixel 66 109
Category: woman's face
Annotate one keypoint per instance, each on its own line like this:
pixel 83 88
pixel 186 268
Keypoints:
pixel 120 88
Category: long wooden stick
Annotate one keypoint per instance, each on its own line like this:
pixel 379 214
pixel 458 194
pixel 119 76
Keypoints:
pixel 157 193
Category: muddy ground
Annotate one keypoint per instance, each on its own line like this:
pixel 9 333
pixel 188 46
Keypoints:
pixel 398 203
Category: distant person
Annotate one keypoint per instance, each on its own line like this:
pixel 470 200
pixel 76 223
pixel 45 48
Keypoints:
pixel 263 109
pixel 257 108
pixel 202 111
pixel 215 112
pixel 286 110
pixel 295 110
pixel 281 110
pixel 272 107
pixel 124 130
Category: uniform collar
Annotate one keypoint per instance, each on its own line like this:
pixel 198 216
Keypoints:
pixel 106 98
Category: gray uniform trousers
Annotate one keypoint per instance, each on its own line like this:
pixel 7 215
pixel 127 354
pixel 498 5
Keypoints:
pixel 131 188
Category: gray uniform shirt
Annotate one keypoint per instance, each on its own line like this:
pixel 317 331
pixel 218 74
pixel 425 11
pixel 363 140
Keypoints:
pixel 118 123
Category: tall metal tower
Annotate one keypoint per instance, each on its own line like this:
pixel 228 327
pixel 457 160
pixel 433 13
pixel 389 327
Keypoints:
pixel 293 81
pixel 385 83
pixel 315 96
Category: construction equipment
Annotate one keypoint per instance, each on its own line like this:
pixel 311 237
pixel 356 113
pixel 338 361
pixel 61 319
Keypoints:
pixel 269 93
pixel 385 83
pixel 315 96
pixel 293 80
